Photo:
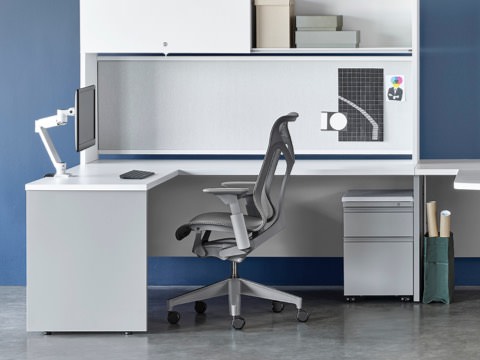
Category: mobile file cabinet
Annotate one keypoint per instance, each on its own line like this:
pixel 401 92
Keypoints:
pixel 378 243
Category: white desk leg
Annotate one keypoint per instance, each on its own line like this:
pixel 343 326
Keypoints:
pixel 86 261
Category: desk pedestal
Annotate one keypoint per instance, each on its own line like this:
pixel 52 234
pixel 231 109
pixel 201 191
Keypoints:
pixel 86 261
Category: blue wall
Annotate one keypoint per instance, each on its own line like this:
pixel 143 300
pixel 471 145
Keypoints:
pixel 449 79
pixel 39 71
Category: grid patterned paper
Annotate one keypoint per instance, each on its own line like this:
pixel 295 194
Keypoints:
pixel 361 100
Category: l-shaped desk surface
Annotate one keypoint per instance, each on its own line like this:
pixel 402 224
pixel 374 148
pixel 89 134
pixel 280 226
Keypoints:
pixel 104 174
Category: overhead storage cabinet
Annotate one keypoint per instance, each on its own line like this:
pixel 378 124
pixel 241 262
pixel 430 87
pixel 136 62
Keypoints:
pixel 165 26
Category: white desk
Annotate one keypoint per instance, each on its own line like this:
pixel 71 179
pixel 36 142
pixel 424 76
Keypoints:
pixel 466 172
pixel 87 235
pixel 467 180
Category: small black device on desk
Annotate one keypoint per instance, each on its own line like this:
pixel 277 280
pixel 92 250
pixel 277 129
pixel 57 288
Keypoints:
pixel 136 174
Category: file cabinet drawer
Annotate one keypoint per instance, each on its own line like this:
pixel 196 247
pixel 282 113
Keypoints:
pixel 378 268
pixel 381 224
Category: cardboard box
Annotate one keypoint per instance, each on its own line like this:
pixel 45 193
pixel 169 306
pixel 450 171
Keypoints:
pixel 275 23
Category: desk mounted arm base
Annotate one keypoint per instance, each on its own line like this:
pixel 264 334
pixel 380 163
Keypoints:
pixel 41 126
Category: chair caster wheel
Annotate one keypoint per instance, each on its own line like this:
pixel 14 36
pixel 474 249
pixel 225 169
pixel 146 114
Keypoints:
pixel 173 317
pixel 302 315
pixel 238 322
pixel 277 306
pixel 200 307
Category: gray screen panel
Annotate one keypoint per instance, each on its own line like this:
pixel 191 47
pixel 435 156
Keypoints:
pixel 228 106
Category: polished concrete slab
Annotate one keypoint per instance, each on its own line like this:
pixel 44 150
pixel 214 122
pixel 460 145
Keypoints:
pixel 371 328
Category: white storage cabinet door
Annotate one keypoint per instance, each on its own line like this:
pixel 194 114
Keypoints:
pixel 161 26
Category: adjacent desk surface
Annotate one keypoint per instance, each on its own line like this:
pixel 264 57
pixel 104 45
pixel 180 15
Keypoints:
pixel 466 172
pixel 467 180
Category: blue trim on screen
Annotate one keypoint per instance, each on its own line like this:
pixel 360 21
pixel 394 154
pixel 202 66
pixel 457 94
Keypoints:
pixel 294 54
pixel 180 157
pixel 262 54
pixel 250 157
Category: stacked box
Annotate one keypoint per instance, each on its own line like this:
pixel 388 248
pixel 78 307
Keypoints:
pixel 324 31
pixel 275 23
pixel 320 22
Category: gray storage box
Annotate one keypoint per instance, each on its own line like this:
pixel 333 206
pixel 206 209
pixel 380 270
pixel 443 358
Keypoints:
pixel 378 243
pixel 320 22
pixel 314 38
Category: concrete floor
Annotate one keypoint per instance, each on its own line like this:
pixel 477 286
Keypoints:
pixel 372 328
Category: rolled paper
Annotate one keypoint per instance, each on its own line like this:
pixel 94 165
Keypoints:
pixel 445 223
pixel 432 219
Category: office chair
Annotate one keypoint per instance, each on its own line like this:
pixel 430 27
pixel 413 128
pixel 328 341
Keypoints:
pixel 246 230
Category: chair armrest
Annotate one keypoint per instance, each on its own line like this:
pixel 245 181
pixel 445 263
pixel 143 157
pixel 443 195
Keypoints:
pixel 226 191
pixel 242 184
pixel 231 197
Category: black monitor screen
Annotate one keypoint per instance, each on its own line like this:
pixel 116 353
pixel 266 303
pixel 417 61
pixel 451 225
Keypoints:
pixel 85 118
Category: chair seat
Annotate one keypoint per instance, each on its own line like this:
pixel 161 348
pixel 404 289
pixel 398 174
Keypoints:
pixel 222 219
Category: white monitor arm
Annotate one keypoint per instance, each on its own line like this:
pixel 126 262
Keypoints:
pixel 41 126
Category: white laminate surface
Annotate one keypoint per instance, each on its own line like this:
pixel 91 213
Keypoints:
pixel 103 175
pixel 445 167
pixel 467 180
pixel 354 167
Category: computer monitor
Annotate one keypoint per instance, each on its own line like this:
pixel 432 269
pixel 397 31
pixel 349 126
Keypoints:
pixel 85 115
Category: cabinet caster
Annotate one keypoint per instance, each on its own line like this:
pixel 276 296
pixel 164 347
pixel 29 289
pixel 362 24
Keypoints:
pixel 302 315
pixel 173 317
pixel 405 299
pixel 47 333
pixel 200 307
pixel 350 299
pixel 126 333
pixel 277 306
pixel 238 322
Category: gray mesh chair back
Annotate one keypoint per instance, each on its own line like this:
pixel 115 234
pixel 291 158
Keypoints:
pixel 280 144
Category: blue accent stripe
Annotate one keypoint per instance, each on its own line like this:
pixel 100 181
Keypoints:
pixel 250 157
pixel 180 157
pixel 294 54
pixel 467 271
pixel 325 271
pixel 297 271
pixel 263 54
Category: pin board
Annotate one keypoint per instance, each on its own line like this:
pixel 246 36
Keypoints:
pixel 226 105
